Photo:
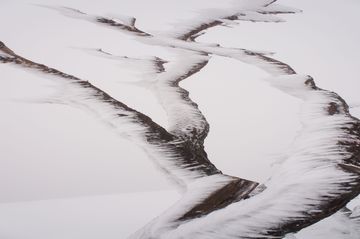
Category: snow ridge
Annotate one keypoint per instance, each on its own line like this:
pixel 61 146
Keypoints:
pixel 318 178
pixel 183 160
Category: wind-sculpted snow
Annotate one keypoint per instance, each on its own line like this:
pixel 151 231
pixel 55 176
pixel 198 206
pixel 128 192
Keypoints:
pixel 124 23
pixel 185 119
pixel 150 65
pixel 318 178
pixel 182 158
pixel 311 183
pixel 342 224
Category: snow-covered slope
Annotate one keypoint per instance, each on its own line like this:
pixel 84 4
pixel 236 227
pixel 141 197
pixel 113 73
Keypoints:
pixel 50 150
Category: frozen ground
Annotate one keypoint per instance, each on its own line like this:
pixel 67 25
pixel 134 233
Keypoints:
pixel 64 171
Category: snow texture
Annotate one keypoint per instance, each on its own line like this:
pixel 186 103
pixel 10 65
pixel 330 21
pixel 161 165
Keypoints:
pixel 319 175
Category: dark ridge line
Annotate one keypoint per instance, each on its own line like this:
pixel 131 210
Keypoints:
pixel 350 168
pixel 192 156
pixel 332 206
pixel 157 61
pixel 323 211
pixel 198 136
pixel 353 148
pixel 100 95
pixel 352 187
pixel 113 23
pixel 294 225
pixel 281 65
pixel 6 59
pixel 159 64
pixel 191 35
pixel 107 53
pixel 236 190
pixel 352 129
pixel 218 199
pixel 107 21
pixel 271 2
pixel 276 12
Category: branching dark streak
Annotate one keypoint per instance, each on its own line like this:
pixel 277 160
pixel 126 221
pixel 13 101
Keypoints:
pixel 189 155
